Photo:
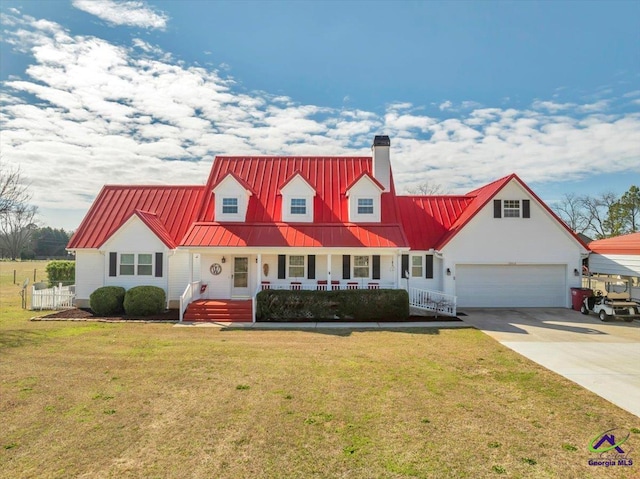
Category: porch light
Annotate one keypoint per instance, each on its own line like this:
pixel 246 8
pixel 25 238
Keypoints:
pixel 448 271
pixel 576 272
pixel 224 260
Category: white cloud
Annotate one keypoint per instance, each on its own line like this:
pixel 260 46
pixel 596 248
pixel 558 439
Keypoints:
pixel 129 12
pixel 446 105
pixel 110 114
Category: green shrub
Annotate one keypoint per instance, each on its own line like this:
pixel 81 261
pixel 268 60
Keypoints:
pixel 107 300
pixel 61 272
pixel 144 301
pixel 346 305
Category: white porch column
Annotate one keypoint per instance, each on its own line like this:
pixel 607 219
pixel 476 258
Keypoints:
pixel 399 273
pixel 190 267
pixel 259 275
pixel 329 288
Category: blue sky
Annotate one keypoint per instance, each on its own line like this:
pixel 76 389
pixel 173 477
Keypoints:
pixel 102 91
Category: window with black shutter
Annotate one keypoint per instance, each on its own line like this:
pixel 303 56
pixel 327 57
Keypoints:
pixel 405 265
pixel 428 266
pixel 311 266
pixel 375 267
pixel 282 266
pixel 346 266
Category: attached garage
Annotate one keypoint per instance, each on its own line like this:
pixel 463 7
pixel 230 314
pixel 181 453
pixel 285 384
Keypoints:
pixel 499 286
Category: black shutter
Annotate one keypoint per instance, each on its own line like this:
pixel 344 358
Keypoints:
pixel 375 266
pixel 282 266
pixel 346 266
pixel 158 265
pixel 113 264
pixel 497 208
pixel 311 266
pixel 428 266
pixel 526 209
pixel 405 265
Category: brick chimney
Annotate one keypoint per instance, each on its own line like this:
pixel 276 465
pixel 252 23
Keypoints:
pixel 381 160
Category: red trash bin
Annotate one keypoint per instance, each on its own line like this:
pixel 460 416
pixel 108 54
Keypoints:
pixel 578 295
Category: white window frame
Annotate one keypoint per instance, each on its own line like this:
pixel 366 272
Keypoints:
pixel 369 206
pixel 136 265
pixel 225 206
pixel 414 266
pixel 297 266
pixel 511 208
pixel 361 267
pixel 303 204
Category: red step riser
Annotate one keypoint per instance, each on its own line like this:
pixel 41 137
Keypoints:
pixel 214 311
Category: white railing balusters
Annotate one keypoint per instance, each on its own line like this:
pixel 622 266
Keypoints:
pixel 435 301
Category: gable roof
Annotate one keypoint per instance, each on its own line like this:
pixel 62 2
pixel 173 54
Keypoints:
pixel 429 233
pixel 329 176
pixel 427 219
pixel 368 175
pixel 166 210
pixel 240 181
pixel 625 244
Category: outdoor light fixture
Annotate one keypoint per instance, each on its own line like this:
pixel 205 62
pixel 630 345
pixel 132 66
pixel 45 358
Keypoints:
pixel 576 272
pixel 448 272
pixel 224 260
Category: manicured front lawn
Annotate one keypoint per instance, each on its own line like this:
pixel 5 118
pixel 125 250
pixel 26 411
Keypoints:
pixel 153 400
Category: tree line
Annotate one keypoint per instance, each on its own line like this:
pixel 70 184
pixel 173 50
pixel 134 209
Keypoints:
pixel 601 216
pixel 20 235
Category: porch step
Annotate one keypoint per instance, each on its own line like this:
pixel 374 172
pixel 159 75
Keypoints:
pixel 219 310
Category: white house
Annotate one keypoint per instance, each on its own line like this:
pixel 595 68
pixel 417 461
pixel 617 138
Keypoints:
pixel 321 223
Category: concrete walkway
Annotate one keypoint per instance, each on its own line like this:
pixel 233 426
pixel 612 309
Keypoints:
pixel 329 325
pixel 601 357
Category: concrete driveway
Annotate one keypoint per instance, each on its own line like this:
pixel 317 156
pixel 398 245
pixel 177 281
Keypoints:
pixel 601 357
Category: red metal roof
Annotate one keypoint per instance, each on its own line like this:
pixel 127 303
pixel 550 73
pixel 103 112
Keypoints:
pixel 329 176
pixel 427 219
pixel 295 235
pixel 625 244
pixel 167 210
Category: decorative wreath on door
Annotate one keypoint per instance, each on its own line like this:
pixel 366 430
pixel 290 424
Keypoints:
pixel 215 269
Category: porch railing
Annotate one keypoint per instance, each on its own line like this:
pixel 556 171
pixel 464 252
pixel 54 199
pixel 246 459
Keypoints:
pixel 327 285
pixel 434 301
pixel 58 297
pixel 191 291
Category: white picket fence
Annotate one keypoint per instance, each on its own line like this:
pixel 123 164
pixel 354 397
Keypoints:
pixel 58 297
pixel 434 301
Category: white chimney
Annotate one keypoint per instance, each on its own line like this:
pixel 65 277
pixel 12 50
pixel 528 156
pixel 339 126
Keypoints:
pixel 381 161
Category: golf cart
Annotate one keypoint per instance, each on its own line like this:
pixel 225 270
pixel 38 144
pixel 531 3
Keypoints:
pixel 612 306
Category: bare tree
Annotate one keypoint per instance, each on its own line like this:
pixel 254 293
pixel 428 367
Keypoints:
pixel 428 189
pixel 601 212
pixel 13 192
pixel 571 209
pixel 16 229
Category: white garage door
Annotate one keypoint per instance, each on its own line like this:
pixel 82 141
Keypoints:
pixel 499 286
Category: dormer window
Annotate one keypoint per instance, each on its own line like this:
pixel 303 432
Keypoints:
pixel 231 198
pixel 229 206
pixel 364 195
pixel 365 206
pixel 297 199
pixel 298 206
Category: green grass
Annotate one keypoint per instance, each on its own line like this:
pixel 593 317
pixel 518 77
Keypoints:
pixel 147 400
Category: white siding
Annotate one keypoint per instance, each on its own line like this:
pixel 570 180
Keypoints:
pixel 135 237
pixel 90 273
pixel 616 264
pixel 539 240
pixel 297 188
pixel 364 188
pixel 179 274
pixel 230 188
pixel 218 286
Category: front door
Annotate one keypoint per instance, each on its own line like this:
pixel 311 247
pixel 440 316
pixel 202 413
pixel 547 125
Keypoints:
pixel 240 277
